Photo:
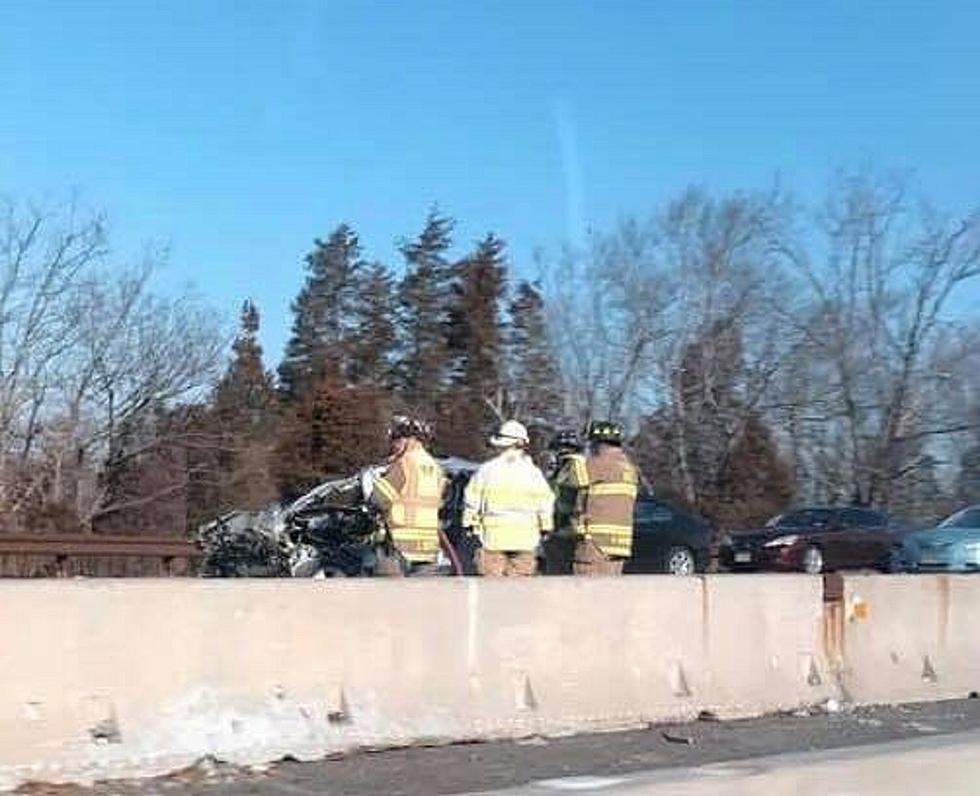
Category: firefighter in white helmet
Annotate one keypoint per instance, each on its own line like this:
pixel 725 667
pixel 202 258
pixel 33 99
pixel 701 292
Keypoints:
pixel 509 506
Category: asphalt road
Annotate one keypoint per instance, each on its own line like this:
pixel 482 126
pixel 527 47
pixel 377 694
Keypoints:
pixel 501 766
pixel 947 764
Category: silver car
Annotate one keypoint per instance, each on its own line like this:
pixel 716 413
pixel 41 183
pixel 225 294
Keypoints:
pixel 952 546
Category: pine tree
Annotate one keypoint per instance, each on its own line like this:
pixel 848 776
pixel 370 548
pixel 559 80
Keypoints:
pixel 372 347
pixel 245 393
pixel 754 483
pixel 706 449
pixel 333 431
pixel 242 424
pixel 323 314
pixel 476 347
pixel 534 384
pixel 425 298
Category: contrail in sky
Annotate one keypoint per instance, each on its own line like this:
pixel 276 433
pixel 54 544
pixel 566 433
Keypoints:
pixel 572 171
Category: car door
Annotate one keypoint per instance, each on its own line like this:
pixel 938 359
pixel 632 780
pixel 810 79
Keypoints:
pixel 826 530
pixel 870 531
pixel 652 534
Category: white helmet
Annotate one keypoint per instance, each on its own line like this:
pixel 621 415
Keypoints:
pixel 510 435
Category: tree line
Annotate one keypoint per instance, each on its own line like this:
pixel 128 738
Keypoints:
pixel 758 350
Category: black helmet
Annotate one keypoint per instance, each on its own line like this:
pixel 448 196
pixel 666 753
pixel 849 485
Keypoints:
pixel 605 431
pixel 566 440
pixel 404 426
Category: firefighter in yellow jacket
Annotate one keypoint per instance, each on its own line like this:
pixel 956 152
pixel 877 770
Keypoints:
pixel 566 447
pixel 601 514
pixel 408 492
pixel 509 506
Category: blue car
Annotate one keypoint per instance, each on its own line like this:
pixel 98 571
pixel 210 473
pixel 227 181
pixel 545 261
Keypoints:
pixel 952 546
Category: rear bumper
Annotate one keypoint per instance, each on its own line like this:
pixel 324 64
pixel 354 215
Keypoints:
pixel 776 559
pixel 781 559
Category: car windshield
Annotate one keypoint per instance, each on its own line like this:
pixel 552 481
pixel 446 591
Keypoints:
pixel 805 518
pixel 968 518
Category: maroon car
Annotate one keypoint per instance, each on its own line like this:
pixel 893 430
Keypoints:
pixel 813 540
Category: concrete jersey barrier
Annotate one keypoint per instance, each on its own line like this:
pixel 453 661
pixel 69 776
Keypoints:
pixel 910 638
pixel 106 679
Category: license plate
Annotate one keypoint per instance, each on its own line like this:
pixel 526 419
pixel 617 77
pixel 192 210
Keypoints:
pixel 930 562
pixel 743 558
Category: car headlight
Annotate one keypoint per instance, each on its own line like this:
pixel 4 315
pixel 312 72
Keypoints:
pixel 783 541
pixel 725 541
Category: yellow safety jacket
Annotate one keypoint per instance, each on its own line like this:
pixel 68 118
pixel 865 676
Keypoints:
pixel 508 503
pixel 607 484
pixel 409 493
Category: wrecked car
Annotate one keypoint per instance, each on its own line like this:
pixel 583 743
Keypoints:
pixel 328 532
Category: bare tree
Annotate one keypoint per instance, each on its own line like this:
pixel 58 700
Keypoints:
pixel 84 348
pixel 873 327
pixel 656 315
pixel 606 308
pixel 41 259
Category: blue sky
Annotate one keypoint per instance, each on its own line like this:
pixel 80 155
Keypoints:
pixel 238 131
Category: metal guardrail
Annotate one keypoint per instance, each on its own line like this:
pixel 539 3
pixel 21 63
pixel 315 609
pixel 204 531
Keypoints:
pixel 62 548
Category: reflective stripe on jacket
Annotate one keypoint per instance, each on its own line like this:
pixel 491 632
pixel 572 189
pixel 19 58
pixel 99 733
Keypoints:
pixel 607 481
pixel 508 503
pixel 409 494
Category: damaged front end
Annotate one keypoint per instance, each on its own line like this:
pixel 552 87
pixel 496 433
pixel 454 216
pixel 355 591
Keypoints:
pixel 331 531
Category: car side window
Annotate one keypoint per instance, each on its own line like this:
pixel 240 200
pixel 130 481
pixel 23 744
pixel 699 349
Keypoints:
pixel 650 511
pixel 862 519
pixel 967 518
pixel 808 518
pixel 794 519
pixel 824 518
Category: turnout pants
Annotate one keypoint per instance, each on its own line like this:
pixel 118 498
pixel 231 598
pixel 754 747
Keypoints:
pixel 590 560
pixel 394 565
pixel 504 563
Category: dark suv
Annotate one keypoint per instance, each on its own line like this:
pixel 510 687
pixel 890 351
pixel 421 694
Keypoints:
pixel 813 540
pixel 666 539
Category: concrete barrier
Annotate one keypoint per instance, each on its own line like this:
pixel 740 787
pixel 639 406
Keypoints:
pixel 910 638
pixel 104 679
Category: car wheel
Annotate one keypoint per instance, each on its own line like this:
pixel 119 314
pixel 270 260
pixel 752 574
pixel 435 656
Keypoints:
pixel 813 560
pixel 679 561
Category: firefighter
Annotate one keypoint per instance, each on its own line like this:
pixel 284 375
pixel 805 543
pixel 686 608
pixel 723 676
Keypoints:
pixel 509 506
pixel 605 486
pixel 566 448
pixel 408 493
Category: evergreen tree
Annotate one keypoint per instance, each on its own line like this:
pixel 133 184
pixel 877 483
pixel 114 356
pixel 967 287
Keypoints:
pixel 245 393
pixel 233 468
pixel 323 314
pixel 707 449
pixel 754 483
pixel 372 347
pixel 534 383
pixel 425 296
pixel 476 347
pixel 333 431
